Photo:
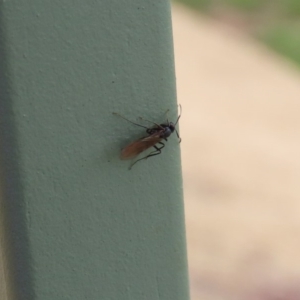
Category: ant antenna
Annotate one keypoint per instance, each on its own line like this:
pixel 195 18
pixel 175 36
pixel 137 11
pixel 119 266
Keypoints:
pixel 178 116
pixel 129 120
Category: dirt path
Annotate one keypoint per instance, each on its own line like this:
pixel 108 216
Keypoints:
pixel 241 161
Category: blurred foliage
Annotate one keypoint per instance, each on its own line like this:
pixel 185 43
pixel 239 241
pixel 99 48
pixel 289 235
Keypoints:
pixel 252 5
pixel 275 22
pixel 292 7
pixel 285 39
pixel 202 5
pixel 282 7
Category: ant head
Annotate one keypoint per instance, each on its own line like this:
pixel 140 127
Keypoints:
pixel 171 126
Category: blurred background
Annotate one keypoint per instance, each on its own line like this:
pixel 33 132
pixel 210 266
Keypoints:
pixel 238 80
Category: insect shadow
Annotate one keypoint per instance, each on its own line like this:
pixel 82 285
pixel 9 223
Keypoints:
pixel 156 135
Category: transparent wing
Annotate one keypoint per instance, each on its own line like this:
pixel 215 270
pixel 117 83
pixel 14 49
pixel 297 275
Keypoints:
pixel 137 147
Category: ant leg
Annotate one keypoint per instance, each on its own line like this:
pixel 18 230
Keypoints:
pixel 114 113
pixel 157 151
pixel 152 123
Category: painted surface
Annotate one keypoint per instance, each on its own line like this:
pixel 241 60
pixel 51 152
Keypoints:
pixel 80 224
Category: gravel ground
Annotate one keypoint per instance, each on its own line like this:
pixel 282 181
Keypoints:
pixel 240 131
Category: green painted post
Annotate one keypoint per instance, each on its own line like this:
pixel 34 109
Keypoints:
pixel 77 223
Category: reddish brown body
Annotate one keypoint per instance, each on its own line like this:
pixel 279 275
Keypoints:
pixel 139 146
